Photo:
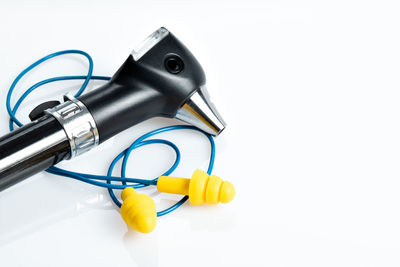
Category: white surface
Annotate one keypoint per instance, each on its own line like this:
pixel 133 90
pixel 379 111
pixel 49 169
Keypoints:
pixel 310 90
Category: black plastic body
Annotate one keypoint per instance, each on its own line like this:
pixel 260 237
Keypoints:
pixel 25 138
pixel 145 88
pixel 156 84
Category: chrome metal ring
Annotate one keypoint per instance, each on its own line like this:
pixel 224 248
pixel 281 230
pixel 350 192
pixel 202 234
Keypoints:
pixel 78 124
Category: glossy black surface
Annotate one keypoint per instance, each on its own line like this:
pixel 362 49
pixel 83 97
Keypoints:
pixel 25 137
pixel 155 85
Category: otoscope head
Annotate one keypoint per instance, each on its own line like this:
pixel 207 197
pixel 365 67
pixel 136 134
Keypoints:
pixel 161 77
pixel 185 78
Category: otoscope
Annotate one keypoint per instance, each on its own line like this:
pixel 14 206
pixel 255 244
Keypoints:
pixel 159 78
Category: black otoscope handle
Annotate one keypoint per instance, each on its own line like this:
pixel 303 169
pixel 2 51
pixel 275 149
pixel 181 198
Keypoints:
pixel 31 149
pixel 155 84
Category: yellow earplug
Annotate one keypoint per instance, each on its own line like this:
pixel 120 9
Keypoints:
pixel 138 210
pixel 201 188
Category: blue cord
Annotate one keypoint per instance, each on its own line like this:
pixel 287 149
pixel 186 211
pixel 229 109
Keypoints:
pixel 124 155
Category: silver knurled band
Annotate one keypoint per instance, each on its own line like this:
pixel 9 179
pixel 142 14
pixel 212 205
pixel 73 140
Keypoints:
pixel 78 124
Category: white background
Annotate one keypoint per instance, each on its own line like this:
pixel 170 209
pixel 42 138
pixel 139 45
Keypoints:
pixel 310 92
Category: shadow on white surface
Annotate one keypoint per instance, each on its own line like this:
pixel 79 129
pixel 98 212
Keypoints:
pixel 143 251
pixel 26 211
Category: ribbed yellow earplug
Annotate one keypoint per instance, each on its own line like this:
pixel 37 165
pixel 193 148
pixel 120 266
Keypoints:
pixel 138 210
pixel 201 188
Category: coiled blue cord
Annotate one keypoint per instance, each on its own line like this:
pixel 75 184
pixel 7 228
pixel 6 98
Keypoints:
pixel 124 155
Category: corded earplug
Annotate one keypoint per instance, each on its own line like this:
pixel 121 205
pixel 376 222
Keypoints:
pixel 201 188
pixel 138 210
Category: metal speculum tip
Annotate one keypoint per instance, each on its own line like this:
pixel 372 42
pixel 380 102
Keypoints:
pixel 201 113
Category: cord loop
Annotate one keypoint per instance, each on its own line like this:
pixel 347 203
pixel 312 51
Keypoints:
pixel 141 141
